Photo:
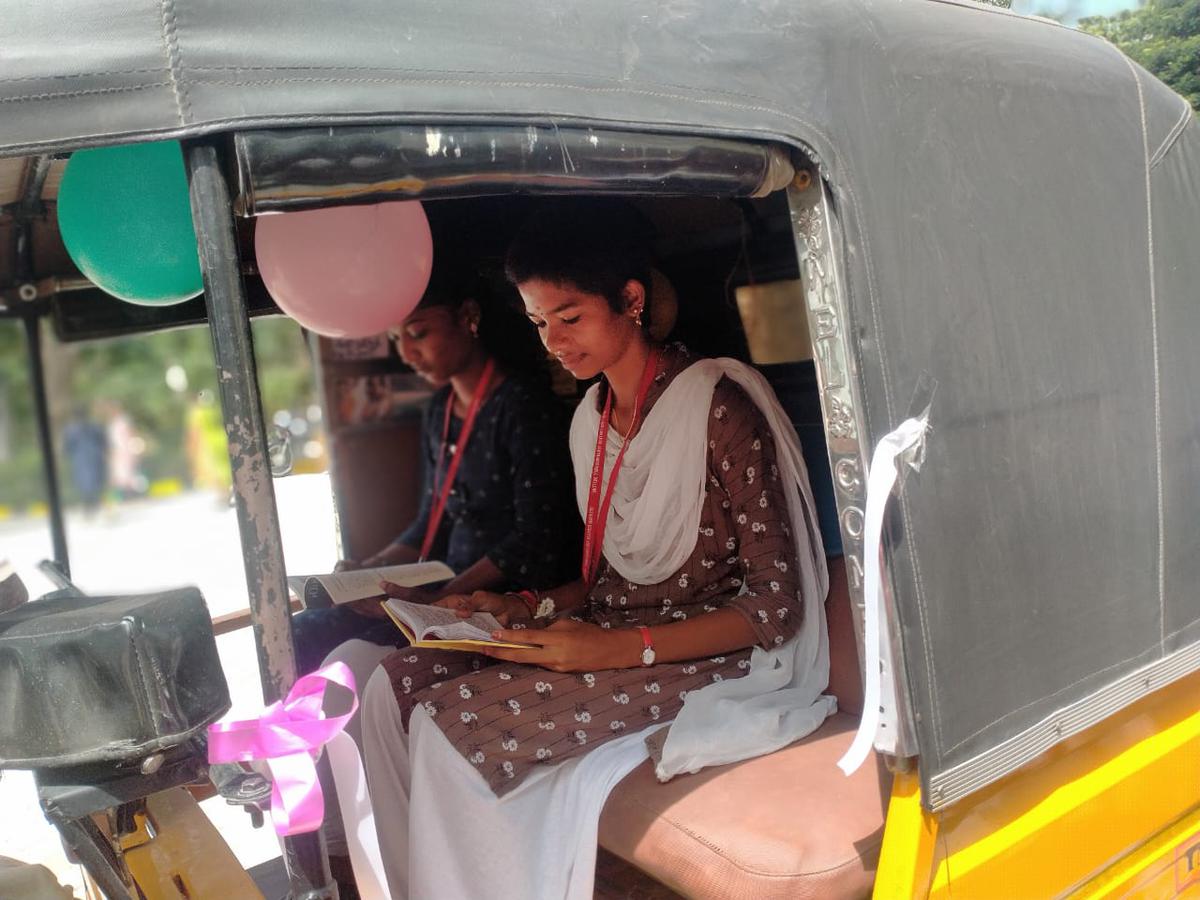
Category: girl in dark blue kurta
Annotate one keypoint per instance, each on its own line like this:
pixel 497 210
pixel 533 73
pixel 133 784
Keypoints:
pixel 510 517
pixel 506 502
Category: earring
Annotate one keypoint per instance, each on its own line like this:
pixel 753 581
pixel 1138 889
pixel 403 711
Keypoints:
pixel 474 329
pixel 637 317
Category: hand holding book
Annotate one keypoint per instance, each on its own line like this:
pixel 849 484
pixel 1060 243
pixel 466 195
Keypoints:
pixel 317 591
pixel 505 608
pixel 411 594
pixel 436 626
pixel 569 645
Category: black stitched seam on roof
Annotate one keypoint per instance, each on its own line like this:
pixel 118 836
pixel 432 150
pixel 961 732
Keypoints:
pixel 484 73
pixel 66 95
pixel 72 75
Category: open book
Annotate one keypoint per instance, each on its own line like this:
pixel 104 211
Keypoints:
pixel 435 626
pixel 317 591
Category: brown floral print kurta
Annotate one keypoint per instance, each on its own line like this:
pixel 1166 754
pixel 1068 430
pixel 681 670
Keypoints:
pixel 505 717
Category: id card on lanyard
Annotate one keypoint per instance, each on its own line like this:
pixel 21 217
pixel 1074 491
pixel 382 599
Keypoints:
pixel 596 518
pixel 442 495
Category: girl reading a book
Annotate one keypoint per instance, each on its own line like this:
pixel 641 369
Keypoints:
pixel 495 506
pixel 701 585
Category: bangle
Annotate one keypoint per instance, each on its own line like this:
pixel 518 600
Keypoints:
pixel 529 598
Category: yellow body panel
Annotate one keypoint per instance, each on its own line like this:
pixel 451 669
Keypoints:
pixel 909 842
pixel 1112 812
pixel 1168 866
pixel 182 856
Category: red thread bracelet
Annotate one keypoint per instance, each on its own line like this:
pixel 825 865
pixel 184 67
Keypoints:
pixel 530 599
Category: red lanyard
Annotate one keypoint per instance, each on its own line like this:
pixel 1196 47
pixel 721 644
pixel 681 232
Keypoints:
pixel 439 507
pixel 597 512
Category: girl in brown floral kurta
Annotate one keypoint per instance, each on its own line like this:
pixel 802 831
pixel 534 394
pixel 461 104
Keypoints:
pixel 722 554
pixel 505 718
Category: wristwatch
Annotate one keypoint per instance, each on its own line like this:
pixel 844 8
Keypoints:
pixel 648 655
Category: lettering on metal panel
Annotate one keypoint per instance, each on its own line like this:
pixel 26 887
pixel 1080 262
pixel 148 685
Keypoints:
pixel 825 323
pixel 852 522
pixel 831 372
pixel 841 418
pixel 848 475
pixel 818 242
pixel 831 353
pixel 858 577
pixel 1187 863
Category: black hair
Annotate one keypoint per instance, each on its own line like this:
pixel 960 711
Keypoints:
pixel 506 334
pixel 596 244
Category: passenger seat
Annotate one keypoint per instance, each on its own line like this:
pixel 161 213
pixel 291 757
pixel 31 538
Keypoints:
pixel 786 825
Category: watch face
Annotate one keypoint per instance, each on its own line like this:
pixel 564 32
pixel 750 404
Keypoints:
pixel 648 656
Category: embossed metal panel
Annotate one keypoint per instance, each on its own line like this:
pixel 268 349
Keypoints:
pixel 819 246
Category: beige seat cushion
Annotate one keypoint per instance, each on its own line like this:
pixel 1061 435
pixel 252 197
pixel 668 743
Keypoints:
pixel 786 825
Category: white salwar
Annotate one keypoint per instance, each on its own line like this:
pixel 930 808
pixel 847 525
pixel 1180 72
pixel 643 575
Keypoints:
pixel 445 834
pixel 362 658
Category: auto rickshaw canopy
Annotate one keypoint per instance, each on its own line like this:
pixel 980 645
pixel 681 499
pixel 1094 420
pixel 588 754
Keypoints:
pixel 1019 208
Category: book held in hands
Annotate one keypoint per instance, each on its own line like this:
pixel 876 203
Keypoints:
pixel 436 626
pixel 320 591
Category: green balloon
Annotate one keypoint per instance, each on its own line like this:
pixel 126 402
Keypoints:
pixel 126 220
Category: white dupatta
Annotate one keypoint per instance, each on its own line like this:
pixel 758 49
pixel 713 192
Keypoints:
pixel 544 831
pixel 652 530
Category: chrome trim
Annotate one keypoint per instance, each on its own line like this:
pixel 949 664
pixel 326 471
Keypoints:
pixel 1003 759
pixel 818 240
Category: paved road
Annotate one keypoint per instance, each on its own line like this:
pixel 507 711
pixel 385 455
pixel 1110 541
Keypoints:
pixel 153 544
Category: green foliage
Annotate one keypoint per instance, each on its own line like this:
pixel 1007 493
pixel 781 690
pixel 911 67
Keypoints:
pixel 20 465
pixel 131 372
pixel 1163 36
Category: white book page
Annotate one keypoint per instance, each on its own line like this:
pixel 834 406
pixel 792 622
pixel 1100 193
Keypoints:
pixel 360 584
pixel 444 624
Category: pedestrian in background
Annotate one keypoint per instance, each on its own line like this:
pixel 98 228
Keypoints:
pixel 86 447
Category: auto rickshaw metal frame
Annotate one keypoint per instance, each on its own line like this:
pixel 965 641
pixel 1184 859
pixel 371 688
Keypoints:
pixel 992 193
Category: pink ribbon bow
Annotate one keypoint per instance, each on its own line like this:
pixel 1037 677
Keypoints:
pixel 289 735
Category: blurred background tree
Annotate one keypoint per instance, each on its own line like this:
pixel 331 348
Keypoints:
pixel 1163 36
pixel 132 373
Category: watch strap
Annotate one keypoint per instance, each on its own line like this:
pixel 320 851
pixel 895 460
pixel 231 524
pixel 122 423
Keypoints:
pixel 647 646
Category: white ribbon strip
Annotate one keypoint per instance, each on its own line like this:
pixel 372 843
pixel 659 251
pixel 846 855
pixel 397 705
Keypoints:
pixel 880 481
pixel 357 817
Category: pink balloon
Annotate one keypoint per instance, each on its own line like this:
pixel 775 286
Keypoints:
pixel 346 271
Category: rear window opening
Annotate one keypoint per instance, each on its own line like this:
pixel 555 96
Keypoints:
pixel 727 283
pixel 729 268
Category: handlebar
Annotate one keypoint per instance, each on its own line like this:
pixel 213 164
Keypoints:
pixel 54 572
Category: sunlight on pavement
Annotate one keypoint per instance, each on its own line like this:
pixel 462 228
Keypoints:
pixel 147 545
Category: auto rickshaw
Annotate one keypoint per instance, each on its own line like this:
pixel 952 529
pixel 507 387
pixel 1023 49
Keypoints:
pixel 991 224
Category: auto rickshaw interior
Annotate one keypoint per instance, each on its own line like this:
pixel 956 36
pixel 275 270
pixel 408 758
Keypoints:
pixel 730 268
pixel 919 178
pixel 729 282
pixel 722 263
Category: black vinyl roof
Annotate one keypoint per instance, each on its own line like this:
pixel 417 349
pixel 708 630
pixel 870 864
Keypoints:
pixel 77 72
pixel 1018 203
